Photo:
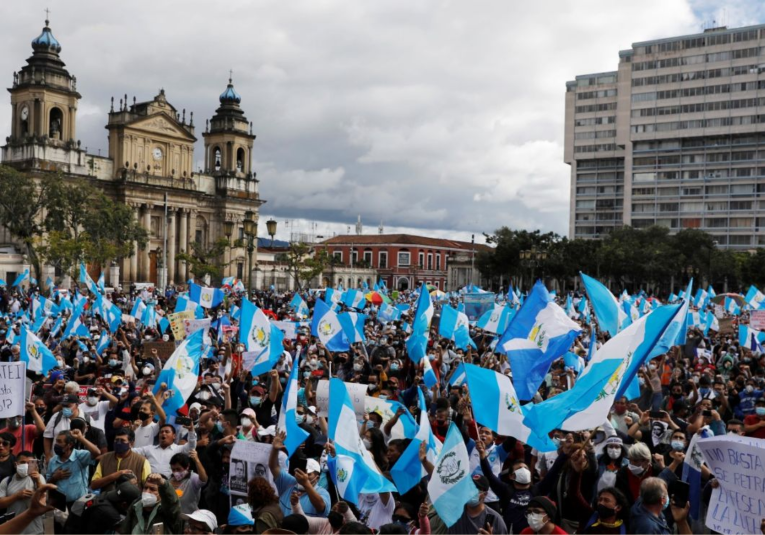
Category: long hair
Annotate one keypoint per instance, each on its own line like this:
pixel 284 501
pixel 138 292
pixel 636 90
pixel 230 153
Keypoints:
pixel 260 493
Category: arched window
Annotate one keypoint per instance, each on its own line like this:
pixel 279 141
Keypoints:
pixel 217 159
pixel 55 124
pixel 240 160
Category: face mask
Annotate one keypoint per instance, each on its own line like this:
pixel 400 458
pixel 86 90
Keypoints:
pixel 92 400
pixel 383 396
pixel 255 382
pixel 148 499
pixel 85 360
pixel 283 380
pixel 523 476
pixel 367 443
pixel 678 445
pixel 146 370
pixel 204 395
pixel 22 470
pixel 676 396
pixel 300 418
pixel 112 362
pixel 372 388
pixel 58 450
pixel 637 470
pixel 703 392
pixel 14 423
pixel 394 367
pixel 641 381
pixel 749 389
pixel 536 521
pixel 614 453
pixel 143 416
pixel 67 412
pixel 371 424
pixel 556 441
pixel 308 419
pixel 358 367
pixel 219 427
pixel 255 401
pixel 306 375
pixel 60 363
pixel 605 512
pixel 760 411
pixel 665 504
pixel 246 422
pixel 179 476
pixel 474 502
pixel 121 447
pixel 620 409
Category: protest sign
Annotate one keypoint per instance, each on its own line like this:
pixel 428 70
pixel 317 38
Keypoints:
pixel 289 328
pixel 477 304
pixel 248 460
pixel 164 349
pixel 726 326
pixel 738 464
pixel 386 409
pixel 12 384
pixel 357 392
pixel 192 325
pixel 176 323
pixel 757 320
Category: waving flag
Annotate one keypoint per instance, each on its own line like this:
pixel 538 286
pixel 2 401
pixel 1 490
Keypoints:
pixel 181 371
pixel 327 327
pixel 672 298
pixel 610 315
pixel 228 281
pixel 451 487
pixel 353 471
pixel 354 299
pixel 206 297
pixel 109 312
pixel 101 284
pixel 353 326
pixel 44 307
pixel 408 470
pixel 149 317
pixel 753 298
pixel 183 303
pixel 35 354
pixel 750 338
pixel 75 327
pixel 455 326
pixel 417 342
pixel 85 279
pixel 428 375
pixel 495 320
pixel 262 339
pixel 138 309
pixel 296 435
pixel 539 333
pixel 299 306
pixel 692 471
pixel 21 278
pixel 731 307
pixel 701 299
pixel 332 296
pixel 682 319
pixel 711 323
pixel 388 313
pixel 103 342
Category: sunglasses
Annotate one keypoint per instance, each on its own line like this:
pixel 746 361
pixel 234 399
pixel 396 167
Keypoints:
pixel 5 444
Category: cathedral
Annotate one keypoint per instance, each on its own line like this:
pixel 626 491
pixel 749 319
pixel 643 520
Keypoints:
pixel 149 167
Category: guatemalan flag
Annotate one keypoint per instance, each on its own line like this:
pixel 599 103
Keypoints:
pixel 417 343
pixel 495 320
pixel 731 307
pixel 103 342
pixel 183 303
pixel 110 313
pixel 754 297
pixel 181 371
pixel 37 357
pixel 296 435
pixel 539 333
pixel 750 338
pixel 354 299
pixel 353 326
pixel 138 308
pixel 455 326
pixel 261 338
pixel 85 279
pixel 451 486
pixel 692 471
pixel 353 470
pixel 75 327
pixel 21 278
pixel 388 313
pixel 408 470
pixel 101 283
pixel 206 297
pixel 332 296
pixel 428 375
pixel 611 317
pixel 327 327
pixel 299 306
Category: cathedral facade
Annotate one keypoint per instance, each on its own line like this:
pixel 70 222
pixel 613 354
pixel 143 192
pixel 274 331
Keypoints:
pixel 149 167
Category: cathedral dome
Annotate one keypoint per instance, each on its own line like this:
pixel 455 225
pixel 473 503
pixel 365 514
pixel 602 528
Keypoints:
pixel 46 41
pixel 229 95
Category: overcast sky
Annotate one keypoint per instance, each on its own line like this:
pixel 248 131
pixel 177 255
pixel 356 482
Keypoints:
pixel 440 117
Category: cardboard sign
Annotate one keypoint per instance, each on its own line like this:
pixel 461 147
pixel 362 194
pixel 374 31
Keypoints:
pixel 726 326
pixel 164 349
pixel 358 393
pixel 176 323
pixel 757 320
pixel 12 385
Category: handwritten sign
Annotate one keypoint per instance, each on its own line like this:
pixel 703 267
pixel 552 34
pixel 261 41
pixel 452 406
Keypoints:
pixel 738 463
pixel 358 393
pixel 12 384
pixel 164 349
pixel 176 323
pixel 757 320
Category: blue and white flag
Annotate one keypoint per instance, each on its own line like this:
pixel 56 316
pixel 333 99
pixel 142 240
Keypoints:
pixel 353 471
pixel 296 435
pixel 711 323
pixel 228 281
pixel 751 339
pixel 388 313
pixel 109 312
pixel 101 284
pixel 459 376
pixel 332 296
pixel 731 307
pixel 19 279
pixel 263 341
pixel 701 299
pixel 539 333
pixel 138 309
pixel 495 320
pixel 672 298
pixel 183 303
pixel 103 342
pixel 206 297
pixel 423 314
pixel 353 326
pixel 610 315
pixel 408 470
pixel 44 307
pixel 181 371
pixel 428 375
pixel 681 322
pixel 149 317
pixel 354 299
pixel 299 306
pixel 75 327
pixel 85 279
pixel 754 298
pixel 692 471
pixel 327 327
pixel 35 354
pixel 451 487
pixel 455 326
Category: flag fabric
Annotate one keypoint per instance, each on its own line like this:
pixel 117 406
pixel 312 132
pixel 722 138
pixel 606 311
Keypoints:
pixel 352 324
pixel 388 313
pixel 35 354
pixel 451 486
pixel 353 471
pixel 682 321
pixel 455 326
pixel 262 339
pixel 428 375
pixel 332 296
pixel 539 333
pixel 751 338
pixel 21 278
pixel 296 435
pixel 692 471
pixel 75 327
pixel 299 306
pixel 700 301
pixel 754 298
pixel 354 299
pixel 610 315
pixel 44 307
pixel 183 303
pixel 228 281
pixel 103 342
pixel 206 297
pixel 408 470
pixel 109 312
pixel 149 317
pixel 495 320
pixel 101 284
pixel 181 371
pixel 138 308
pixel 327 327
pixel 423 314
pixel 731 307
pixel 458 376
pixel 85 279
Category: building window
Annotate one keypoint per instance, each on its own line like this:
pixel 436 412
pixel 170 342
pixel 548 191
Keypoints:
pixel 430 261
pixel 438 285
pixel 383 260
pixel 239 270
pixel 241 233
pixel 354 257
pixel 404 258
pixel 368 258
pixel 438 262
pixel 421 260
pixel 338 255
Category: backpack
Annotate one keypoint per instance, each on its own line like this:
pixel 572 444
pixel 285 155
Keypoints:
pixel 77 510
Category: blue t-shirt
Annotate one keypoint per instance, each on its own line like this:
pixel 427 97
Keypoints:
pixel 286 483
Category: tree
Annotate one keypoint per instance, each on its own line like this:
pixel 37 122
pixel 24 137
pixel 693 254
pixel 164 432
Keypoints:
pixel 206 260
pixel 302 265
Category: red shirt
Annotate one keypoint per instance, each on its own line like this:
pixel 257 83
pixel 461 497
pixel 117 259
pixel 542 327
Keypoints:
pixel 31 435
pixel 556 531
pixel 753 419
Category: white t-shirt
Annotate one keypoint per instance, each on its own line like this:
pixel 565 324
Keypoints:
pixel 56 425
pixel 374 512
pixel 96 412
pixel 144 435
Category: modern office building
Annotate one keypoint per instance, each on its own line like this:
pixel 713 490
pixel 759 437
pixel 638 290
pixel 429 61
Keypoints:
pixel 674 137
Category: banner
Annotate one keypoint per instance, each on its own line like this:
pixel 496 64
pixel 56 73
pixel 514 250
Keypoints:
pixel 757 320
pixel 357 392
pixel 738 463
pixel 192 325
pixel 290 328
pixel 176 323
pixel 12 384
pixel 477 304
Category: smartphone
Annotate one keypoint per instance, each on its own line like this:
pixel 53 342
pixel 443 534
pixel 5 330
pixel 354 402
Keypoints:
pixel 157 529
pixel 182 420
pixel 57 499
pixel 679 491
pixel 298 464
pixel 33 467
pixel 707 413
pixel 656 414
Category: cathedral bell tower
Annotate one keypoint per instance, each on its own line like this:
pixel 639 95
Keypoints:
pixel 44 106
pixel 228 138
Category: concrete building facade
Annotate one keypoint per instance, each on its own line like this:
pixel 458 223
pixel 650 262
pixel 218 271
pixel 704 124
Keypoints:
pixel 674 137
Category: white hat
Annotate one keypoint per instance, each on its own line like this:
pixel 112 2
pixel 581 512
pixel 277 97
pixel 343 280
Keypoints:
pixel 312 465
pixel 266 431
pixel 195 405
pixel 203 515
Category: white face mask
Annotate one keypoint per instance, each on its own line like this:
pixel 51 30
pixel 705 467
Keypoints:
pixel 536 521
pixel 146 370
pixel 246 422
pixel 22 470
pixel 92 400
pixel 637 470
pixel 367 443
pixel 85 360
pixel 614 453
pixel 523 476
pixel 148 499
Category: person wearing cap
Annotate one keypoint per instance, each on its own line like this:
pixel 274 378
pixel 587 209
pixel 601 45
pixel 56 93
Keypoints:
pixel 240 519
pixel 158 504
pixel 540 514
pixel 314 499
pixel 106 511
pixel 614 456
pixel 31 431
pixel 249 422
pixel 96 408
pixel 754 424
pixel 60 422
pixel 200 521
pixel 122 461
pixel 16 490
pixel 478 516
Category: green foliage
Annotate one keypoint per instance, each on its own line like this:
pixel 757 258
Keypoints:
pixel 302 265
pixel 206 260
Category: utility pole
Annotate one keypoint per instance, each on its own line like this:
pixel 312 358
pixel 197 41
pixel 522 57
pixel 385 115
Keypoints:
pixel 163 278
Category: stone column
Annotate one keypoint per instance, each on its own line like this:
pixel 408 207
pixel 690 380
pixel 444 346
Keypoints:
pixel 183 244
pixel 132 265
pixel 145 269
pixel 114 275
pixel 171 237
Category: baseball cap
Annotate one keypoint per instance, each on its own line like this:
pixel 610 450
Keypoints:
pixel 240 515
pixel 70 399
pixel 205 516
pixel 125 492
pixel 614 441
pixel 267 431
pixel 195 405
pixel 312 465
pixel 55 376
pixel 248 412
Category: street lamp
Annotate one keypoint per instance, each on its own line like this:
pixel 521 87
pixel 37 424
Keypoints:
pixel 271 226
pixel 228 229
pixel 251 232
pixel 532 258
